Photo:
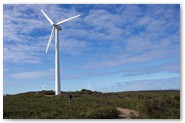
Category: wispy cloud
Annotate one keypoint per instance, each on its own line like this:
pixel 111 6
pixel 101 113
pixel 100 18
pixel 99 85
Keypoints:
pixel 150 38
pixel 33 74
pixel 131 71
pixel 155 84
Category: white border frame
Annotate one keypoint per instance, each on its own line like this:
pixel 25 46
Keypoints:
pixel 181 2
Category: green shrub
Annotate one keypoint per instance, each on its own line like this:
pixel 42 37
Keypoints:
pixel 91 105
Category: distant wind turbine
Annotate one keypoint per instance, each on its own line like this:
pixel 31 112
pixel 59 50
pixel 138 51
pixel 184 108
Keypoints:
pixel 56 28
pixel 44 87
pixel 89 85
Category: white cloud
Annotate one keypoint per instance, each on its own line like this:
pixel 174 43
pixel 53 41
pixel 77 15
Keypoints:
pixel 73 46
pixel 123 59
pixel 33 74
pixel 155 84
pixel 152 41
pixel 171 67
pixel 24 53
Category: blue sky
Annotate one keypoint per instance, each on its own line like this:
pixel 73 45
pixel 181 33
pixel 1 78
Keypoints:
pixel 113 47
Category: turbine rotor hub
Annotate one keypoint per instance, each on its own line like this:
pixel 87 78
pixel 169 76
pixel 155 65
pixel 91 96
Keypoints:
pixel 57 27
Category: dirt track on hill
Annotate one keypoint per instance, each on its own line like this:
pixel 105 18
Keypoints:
pixel 125 113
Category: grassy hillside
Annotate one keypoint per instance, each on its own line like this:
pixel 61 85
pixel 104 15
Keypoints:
pixel 91 105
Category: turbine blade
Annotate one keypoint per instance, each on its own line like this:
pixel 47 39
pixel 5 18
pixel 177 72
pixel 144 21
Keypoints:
pixel 50 39
pixel 67 19
pixel 51 22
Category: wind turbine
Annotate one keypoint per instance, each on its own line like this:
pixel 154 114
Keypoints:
pixel 89 85
pixel 44 87
pixel 56 28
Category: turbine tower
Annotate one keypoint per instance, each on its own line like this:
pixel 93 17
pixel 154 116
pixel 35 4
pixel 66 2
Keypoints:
pixel 56 28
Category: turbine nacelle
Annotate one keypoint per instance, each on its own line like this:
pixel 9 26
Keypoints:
pixel 57 27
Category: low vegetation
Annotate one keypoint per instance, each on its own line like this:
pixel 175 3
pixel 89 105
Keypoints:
pixel 86 104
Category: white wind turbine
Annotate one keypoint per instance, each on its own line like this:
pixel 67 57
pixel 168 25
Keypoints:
pixel 56 28
pixel 44 87
pixel 89 85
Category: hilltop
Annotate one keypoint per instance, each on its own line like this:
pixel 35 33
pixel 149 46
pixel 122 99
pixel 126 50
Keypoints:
pixel 87 104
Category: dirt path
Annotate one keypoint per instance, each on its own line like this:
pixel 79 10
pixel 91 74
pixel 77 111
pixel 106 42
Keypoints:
pixel 125 113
